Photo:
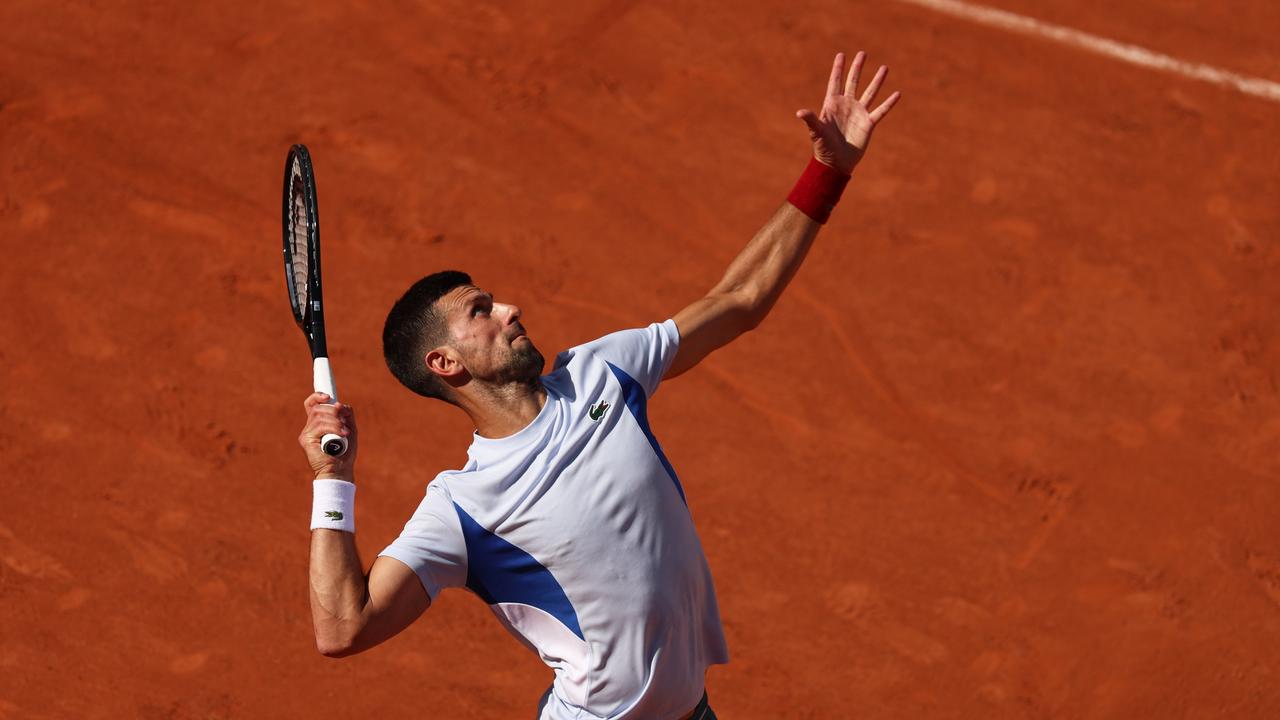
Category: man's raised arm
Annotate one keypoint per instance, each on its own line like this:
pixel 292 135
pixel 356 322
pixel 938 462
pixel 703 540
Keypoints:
pixel 840 133
pixel 350 612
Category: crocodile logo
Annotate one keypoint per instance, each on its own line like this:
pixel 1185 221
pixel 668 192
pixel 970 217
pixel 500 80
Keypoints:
pixel 597 411
pixel 333 514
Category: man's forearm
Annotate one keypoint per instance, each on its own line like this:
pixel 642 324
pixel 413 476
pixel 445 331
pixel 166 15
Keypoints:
pixel 339 590
pixel 762 270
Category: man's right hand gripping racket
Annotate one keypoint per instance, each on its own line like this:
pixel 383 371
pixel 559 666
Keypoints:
pixel 302 274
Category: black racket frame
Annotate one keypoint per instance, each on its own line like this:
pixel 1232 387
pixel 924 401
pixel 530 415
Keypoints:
pixel 311 317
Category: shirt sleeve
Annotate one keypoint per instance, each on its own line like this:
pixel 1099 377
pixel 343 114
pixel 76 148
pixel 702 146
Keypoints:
pixel 432 543
pixel 643 353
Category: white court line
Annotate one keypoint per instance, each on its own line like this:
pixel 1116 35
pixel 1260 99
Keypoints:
pixel 1123 52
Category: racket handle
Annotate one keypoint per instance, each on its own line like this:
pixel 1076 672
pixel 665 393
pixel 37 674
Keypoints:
pixel 333 445
pixel 322 381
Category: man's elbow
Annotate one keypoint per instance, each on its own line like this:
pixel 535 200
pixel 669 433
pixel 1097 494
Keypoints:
pixel 748 315
pixel 336 646
pixel 746 309
pixel 333 650
pixel 752 319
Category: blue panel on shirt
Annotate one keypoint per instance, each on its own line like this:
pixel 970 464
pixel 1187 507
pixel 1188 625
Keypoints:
pixel 635 399
pixel 499 572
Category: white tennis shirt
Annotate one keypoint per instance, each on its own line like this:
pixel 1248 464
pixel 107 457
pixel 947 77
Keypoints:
pixel 576 534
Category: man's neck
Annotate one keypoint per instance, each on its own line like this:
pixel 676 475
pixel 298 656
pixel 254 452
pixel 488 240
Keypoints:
pixel 502 410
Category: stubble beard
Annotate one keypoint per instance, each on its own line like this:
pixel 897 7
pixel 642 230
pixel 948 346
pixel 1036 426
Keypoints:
pixel 524 365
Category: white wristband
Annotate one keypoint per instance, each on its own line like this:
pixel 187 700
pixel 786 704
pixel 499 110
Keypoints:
pixel 333 505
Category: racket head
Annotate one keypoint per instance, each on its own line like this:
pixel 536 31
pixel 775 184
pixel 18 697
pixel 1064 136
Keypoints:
pixel 301 224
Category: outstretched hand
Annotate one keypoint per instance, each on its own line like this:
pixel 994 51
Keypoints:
pixel 841 131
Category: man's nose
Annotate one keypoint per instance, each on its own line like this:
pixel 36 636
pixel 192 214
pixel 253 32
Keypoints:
pixel 513 312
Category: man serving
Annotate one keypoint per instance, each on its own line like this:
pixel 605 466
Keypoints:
pixel 567 519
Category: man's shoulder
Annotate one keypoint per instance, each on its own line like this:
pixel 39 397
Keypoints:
pixel 448 483
pixel 621 342
pixel 454 489
pixel 439 489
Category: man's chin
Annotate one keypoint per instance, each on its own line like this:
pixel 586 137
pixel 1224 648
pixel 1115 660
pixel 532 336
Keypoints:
pixel 526 362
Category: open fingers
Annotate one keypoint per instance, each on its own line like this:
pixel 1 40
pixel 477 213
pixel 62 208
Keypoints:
pixel 870 94
pixel 885 107
pixel 812 122
pixel 837 72
pixel 851 84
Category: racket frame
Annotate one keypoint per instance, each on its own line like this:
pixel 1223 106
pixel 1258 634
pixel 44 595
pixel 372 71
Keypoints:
pixel 309 315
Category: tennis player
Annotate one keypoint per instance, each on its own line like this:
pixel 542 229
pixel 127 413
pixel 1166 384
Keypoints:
pixel 567 519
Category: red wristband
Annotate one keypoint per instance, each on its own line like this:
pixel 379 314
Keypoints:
pixel 818 190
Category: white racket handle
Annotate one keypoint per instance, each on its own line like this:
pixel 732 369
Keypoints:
pixel 322 381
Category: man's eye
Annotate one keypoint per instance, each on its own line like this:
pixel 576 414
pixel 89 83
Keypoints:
pixel 477 311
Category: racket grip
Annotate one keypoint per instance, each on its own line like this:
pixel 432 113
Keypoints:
pixel 322 381
pixel 333 445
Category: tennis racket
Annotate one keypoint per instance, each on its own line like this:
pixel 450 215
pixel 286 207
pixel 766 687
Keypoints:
pixel 302 274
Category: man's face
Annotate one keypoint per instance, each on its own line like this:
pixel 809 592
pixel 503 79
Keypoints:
pixel 488 336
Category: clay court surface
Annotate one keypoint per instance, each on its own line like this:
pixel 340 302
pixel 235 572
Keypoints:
pixel 1007 448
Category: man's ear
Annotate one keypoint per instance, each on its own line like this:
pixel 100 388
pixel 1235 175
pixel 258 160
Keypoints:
pixel 444 362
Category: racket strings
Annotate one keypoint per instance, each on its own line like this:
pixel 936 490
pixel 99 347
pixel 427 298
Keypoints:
pixel 300 229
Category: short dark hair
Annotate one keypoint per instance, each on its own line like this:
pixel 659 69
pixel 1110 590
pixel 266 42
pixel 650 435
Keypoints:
pixel 413 326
